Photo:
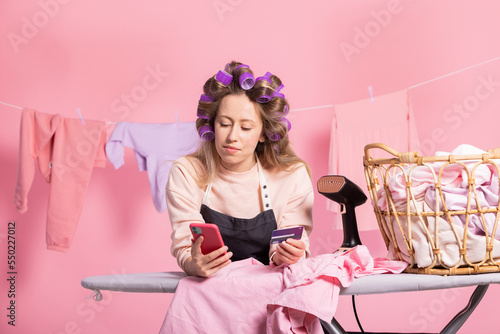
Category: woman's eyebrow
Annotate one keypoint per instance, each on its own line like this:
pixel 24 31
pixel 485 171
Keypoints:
pixel 242 120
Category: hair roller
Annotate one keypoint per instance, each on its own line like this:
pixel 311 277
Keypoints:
pixel 206 133
pixel 278 94
pixel 287 123
pixel 240 66
pixel 266 76
pixel 263 99
pixel 247 81
pixel 206 98
pixel 285 110
pixel 224 78
pixel 202 114
pixel 273 136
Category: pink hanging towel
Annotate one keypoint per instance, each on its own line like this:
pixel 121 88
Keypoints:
pixel 66 151
pixel 389 120
pixel 249 297
pixel 156 147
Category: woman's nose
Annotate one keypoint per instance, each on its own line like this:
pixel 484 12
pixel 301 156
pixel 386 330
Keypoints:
pixel 233 134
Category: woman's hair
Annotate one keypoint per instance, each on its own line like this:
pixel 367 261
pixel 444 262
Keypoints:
pixel 275 151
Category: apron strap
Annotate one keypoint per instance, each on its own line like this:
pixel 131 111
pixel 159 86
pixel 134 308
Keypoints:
pixel 264 189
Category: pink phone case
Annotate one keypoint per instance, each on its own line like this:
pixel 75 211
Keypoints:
pixel 212 238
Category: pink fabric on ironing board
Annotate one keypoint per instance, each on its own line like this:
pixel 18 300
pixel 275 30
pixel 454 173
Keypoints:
pixel 248 297
pixel 67 151
pixel 388 120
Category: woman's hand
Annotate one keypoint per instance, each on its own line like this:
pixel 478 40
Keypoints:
pixel 289 252
pixel 206 265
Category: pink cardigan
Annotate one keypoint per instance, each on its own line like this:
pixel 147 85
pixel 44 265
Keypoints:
pixel 237 195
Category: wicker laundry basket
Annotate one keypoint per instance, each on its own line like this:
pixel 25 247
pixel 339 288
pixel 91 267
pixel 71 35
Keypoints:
pixel 431 211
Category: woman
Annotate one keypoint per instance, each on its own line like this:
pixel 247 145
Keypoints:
pixel 244 178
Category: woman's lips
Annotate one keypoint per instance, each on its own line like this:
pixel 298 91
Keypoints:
pixel 231 149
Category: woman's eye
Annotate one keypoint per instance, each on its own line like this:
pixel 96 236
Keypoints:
pixel 223 125
pixel 246 129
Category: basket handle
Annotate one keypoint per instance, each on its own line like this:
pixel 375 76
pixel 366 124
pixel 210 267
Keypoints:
pixel 414 157
pixel 495 152
pixel 405 157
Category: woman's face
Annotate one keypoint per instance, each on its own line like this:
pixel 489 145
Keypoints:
pixel 238 130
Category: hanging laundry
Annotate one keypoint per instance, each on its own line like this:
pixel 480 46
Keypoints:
pixel 389 119
pixel 156 147
pixel 66 152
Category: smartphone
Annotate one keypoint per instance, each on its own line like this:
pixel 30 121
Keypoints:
pixel 210 232
pixel 281 235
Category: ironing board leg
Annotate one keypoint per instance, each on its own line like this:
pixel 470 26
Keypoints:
pixel 333 327
pixel 457 321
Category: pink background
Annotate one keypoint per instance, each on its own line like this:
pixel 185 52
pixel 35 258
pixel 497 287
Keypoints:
pixel 57 56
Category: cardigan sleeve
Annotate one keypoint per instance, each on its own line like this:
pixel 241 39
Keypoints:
pixel 299 205
pixel 184 199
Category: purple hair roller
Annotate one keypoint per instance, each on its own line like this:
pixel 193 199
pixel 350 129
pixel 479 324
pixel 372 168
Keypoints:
pixel 206 133
pixel 224 78
pixel 285 111
pixel 263 99
pixel 287 123
pixel 266 76
pixel 206 98
pixel 273 136
pixel 247 80
pixel 237 67
pixel 280 87
pixel 278 94
pixel 202 114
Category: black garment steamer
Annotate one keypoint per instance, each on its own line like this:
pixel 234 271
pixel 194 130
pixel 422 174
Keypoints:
pixel 345 192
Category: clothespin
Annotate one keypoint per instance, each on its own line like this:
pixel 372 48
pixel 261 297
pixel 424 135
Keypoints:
pixel 370 90
pixel 80 115
pixel 176 112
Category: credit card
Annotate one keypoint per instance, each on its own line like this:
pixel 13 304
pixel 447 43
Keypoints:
pixel 279 236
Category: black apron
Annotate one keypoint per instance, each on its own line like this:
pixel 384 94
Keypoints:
pixel 245 237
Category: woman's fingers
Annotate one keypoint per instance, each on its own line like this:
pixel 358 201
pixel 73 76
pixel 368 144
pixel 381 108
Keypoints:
pixel 208 264
pixel 290 251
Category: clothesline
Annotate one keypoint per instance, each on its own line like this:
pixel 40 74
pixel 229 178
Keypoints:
pixel 332 105
pixel 416 85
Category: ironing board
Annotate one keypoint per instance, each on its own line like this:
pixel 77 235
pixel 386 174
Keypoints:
pixel 166 282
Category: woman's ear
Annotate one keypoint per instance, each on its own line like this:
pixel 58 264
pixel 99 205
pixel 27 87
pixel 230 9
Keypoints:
pixel 262 138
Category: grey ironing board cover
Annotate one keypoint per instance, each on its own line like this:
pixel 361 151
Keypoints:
pixel 166 282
